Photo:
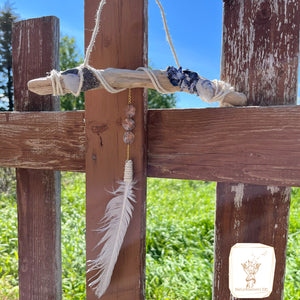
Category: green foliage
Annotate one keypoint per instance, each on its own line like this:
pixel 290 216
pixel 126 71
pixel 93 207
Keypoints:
pixel 292 276
pixel 8 247
pixel 8 181
pixel 73 236
pixel 180 222
pixel 7 17
pixel 69 58
pixel 157 100
pixel 73 240
pixel 68 53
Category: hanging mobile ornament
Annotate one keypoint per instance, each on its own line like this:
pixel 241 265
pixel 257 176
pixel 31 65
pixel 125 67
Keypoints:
pixel 118 212
pixel 117 215
pixel 171 80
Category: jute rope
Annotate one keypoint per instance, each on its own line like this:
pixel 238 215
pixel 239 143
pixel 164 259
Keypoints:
pixel 167 32
pixel 222 88
pixel 56 76
pixel 154 80
pixel 94 34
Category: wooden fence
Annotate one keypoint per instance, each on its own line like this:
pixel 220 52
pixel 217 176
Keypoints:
pixel 252 148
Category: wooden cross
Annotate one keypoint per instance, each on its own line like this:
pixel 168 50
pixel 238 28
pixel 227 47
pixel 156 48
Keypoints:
pixel 252 152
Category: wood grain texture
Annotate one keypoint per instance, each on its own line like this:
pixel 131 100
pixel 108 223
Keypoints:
pixel 255 145
pixel 39 236
pixel 251 145
pixel 121 78
pixel 35 51
pixel 121 43
pixel 260 57
pixel 250 214
pixel 43 140
pixel 117 78
pixel 34 55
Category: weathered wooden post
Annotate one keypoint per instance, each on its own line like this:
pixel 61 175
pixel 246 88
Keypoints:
pixel 121 43
pixel 260 58
pixel 35 52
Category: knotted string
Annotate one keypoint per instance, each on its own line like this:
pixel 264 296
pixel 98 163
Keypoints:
pixel 55 76
pixel 94 34
pixel 222 88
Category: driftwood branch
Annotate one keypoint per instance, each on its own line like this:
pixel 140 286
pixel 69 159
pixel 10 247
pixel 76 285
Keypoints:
pixel 172 80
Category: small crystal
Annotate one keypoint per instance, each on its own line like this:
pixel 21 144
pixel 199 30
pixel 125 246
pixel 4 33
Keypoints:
pixel 130 111
pixel 128 137
pixel 128 124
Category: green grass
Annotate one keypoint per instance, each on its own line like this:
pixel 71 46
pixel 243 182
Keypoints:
pixel 73 236
pixel 180 222
pixel 8 248
pixel 292 281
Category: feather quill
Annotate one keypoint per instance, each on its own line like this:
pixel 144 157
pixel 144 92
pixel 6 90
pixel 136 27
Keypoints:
pixel 114 223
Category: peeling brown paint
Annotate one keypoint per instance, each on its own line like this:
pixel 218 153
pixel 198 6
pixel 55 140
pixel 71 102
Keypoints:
pixel 260 58
pixel 239 195
pixel 38 191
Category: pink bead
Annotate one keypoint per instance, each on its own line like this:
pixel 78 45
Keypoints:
pixel 128 137
pixel 128 124
pixel 130 111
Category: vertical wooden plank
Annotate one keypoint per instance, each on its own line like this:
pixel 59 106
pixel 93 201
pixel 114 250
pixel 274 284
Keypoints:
pixel 260 58
pixel 121 43
pixel 35 52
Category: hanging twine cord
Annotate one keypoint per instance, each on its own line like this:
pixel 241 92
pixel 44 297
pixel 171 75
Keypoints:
pixel 154 80
pixel 55 77
pixel 94 34
pixel 167 32
pixel 103 81
pixel 222 88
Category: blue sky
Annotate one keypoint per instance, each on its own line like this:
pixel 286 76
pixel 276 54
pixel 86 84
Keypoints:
pixel 196 30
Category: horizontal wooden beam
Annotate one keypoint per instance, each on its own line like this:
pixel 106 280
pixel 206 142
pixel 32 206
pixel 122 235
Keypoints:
pixel 251 145
pixel 258 145
pixel 43 140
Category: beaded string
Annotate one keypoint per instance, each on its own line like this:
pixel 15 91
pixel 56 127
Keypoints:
pixel 117 215
pixel 129 103
pixel 129 124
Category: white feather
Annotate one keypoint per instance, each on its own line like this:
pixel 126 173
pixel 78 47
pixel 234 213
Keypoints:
pixel 114 223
